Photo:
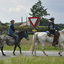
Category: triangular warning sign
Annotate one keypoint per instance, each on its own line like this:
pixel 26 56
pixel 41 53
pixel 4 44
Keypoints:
pixel 33 20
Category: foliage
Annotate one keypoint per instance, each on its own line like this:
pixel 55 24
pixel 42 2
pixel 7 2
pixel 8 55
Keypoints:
pixel 39 11
pixel 29 28
pixel 7 24
pixel 2 28
pixel 42 28
pixel 60 25
pixel 44 22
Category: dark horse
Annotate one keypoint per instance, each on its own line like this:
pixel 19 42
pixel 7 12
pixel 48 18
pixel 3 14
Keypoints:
pixel 10 41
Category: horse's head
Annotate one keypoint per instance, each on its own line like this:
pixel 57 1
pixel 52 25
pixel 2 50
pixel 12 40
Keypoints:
pixel 23 34
pixel 26 35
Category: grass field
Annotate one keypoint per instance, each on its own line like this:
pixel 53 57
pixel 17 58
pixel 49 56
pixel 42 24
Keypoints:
pixel 33 60
pixel 26 44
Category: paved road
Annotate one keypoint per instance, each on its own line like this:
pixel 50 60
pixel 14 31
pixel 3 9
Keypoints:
pixel 28 53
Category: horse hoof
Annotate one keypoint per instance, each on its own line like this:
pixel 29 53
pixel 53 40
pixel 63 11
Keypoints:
pixel 32 54
pixel 59 54
pixel 14 53
pixel 4 55
pixel 21 53
pixel 46 55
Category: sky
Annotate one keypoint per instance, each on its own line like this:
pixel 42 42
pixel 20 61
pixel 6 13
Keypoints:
pixel 15 9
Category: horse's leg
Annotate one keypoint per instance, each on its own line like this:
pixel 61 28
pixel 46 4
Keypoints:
pixel 60 49
pixel 14 49
pixel 2 51
pixel 43 49
pixel 35 47
pixel 20 49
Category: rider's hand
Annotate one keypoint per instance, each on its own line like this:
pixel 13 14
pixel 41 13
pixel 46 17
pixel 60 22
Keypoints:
pixel 16 31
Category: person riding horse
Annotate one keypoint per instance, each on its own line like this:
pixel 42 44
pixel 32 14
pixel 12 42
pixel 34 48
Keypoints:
pixel 51 26
pixel 51 29
pixel 12 31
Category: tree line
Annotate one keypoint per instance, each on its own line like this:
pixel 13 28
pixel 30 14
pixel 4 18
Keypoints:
pixel 38 10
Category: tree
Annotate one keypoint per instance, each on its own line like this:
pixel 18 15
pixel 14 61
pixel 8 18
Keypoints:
pixel 7 24
pixel 39 11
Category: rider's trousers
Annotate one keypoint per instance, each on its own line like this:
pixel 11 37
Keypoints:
pixel 16 37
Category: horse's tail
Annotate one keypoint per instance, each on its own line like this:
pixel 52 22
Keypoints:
pixel 32 46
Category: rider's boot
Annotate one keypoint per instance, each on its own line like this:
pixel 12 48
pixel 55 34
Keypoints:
pixel 54 41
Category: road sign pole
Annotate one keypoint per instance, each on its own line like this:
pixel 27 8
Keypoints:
pixel 34 44
pixel 34 23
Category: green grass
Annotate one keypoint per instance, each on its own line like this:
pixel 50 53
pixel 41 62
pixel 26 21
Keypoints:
pixel 25 46
pixel 33 60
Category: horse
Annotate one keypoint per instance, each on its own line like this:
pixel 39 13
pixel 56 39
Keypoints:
pixel 10 41
pixel 42 37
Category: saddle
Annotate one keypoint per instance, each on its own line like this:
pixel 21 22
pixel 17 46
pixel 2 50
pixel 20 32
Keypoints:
pixel 10 40
pixel 11 36
pixel 50 35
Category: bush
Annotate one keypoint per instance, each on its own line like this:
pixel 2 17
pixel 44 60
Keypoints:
pixel 22 28
pixel 42 29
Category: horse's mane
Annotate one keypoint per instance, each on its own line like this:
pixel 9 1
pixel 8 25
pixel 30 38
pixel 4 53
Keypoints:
pixel 21 34
pixel 21 31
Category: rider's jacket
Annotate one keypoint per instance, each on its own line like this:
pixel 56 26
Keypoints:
pixel 11 29
pixel 51 26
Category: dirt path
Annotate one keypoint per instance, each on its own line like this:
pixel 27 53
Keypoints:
pixel 28 53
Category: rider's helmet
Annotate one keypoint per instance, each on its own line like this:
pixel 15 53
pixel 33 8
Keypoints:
pixel 12 21
pixel 52 18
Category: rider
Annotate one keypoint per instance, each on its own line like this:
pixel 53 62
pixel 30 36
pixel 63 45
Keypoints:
pixel 12 32
pixel 51 29
pixel 51 26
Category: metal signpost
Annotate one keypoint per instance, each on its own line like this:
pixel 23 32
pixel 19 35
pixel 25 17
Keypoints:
pixel 34 22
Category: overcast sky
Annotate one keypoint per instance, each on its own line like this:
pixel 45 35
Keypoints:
pixel 15 9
